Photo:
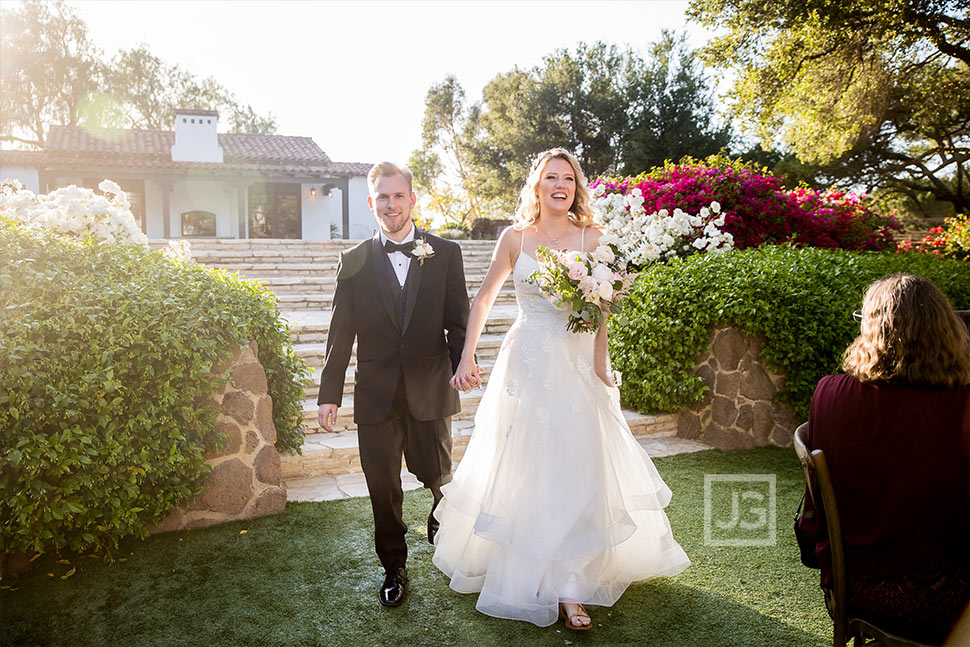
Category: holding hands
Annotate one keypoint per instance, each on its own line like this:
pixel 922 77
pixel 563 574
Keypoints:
pixel 467 376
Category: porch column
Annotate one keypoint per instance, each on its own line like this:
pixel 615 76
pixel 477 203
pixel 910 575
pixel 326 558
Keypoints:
pixel 343 184
pixel 166 208
pixel 242 190
pixel 345 206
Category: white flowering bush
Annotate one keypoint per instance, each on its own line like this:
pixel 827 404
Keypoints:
pixel 178 250
pixel 587 284
pixel 74 210
pixel 646 238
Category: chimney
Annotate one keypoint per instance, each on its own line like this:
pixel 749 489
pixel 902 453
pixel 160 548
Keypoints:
pixel 196 139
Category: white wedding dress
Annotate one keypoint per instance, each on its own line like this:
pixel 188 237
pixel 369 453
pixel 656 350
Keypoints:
pixel 554 499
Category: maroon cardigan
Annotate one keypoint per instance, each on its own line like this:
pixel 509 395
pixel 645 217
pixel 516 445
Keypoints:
pixel 899 457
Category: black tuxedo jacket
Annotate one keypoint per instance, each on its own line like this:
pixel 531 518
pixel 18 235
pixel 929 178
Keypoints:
pixel 426 348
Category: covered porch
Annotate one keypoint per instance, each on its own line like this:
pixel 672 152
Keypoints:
pixel 219 205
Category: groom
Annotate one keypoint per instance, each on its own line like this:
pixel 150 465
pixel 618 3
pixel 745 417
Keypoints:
pixel 402 295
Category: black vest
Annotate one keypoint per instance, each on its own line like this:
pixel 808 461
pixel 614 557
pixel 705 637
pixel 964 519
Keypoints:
pixel 399 292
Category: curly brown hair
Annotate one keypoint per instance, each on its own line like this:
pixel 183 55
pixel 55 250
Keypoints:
pixel 910 334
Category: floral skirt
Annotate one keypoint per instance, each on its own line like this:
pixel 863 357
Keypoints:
pixel 922 606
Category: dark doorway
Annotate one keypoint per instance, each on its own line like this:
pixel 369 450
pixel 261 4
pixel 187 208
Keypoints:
pixel 275 210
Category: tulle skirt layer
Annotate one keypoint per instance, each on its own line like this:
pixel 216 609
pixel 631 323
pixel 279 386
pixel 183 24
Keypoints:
pixel 554 499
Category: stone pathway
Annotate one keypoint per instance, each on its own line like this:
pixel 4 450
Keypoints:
pixel 345 486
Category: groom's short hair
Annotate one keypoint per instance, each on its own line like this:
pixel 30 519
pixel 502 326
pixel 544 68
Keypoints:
pixel 388 169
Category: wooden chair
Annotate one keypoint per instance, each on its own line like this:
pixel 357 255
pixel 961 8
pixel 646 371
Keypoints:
pixel 823 496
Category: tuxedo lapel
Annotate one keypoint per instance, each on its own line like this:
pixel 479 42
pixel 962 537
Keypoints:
pixel 382 268
pixel 412 283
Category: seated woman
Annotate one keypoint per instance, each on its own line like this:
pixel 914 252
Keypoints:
pixel 895 429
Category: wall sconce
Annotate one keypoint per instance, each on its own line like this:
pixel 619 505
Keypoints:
pixel 313 191
pixel 327 189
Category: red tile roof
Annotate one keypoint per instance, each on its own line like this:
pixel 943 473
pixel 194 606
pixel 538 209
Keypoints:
pixel 21 158
pixel 351 168
pixel 152 149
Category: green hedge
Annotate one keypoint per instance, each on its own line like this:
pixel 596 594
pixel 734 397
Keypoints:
pixel 800 299
pixel 104 376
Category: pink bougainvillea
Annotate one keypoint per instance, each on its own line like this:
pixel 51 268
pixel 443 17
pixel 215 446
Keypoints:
pixel 952 241
pixel 758 209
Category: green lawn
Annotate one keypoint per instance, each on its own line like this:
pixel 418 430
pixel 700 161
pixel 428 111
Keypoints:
pixel 309 577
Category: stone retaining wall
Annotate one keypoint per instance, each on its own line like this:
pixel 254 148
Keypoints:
pixel 737 412
pixel 245 480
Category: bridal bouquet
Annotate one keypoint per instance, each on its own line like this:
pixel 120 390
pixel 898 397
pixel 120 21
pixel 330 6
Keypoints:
pixel 646 238
pixel 587 284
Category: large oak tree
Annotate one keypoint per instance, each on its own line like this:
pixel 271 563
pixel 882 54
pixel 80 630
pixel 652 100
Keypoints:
pixel 872 91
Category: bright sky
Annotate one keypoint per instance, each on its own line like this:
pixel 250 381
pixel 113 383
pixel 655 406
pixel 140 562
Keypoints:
pixel 353 75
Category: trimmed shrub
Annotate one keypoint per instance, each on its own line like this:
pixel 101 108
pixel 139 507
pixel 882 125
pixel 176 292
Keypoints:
pixel 105 372
pixel 488 228
pixel 800 299
pixel 757 207
pixel 453 231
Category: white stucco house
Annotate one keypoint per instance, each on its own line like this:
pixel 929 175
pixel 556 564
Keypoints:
pixel 195 182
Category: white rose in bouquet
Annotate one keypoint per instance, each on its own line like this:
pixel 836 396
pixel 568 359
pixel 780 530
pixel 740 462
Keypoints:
pixel 604 254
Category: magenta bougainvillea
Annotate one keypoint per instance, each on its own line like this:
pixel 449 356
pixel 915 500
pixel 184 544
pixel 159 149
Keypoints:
pixel 758 209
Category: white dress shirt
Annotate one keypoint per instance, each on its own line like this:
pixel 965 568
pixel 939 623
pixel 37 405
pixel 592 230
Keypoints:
pixel 400 262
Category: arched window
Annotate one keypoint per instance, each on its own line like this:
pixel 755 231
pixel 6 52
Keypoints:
pixel 199 223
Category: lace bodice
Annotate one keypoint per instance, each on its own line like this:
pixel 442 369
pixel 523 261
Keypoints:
pixel 532 302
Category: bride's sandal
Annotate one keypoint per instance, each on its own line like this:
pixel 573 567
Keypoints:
pixel 571 620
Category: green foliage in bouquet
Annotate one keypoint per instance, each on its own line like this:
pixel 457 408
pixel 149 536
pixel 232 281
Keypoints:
pixel 801 299
pixel 105 371
pixel 587 285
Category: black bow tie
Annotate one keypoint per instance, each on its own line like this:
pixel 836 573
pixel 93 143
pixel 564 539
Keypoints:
pixel 405 248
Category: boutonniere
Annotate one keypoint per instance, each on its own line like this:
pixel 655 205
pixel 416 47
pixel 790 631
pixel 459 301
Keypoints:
pixel 422 250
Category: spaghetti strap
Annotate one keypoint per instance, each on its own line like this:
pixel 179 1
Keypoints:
pixel 522 242
pixel 582 240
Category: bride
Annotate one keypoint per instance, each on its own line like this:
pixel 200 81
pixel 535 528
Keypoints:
pixel 555 504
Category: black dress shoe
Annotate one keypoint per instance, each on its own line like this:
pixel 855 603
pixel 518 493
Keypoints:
pixel 432 528
pixel 394 587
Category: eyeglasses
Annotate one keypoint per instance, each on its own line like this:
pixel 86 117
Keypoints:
pixel 857 316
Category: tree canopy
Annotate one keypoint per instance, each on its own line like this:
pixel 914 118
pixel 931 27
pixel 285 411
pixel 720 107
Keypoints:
pixel 874 92
pixel 671 109
pixel 616 110
pixel 441 167
pixel 52 73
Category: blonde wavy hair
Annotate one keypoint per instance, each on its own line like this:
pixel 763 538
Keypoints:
pixel 527 212
pixel 911 334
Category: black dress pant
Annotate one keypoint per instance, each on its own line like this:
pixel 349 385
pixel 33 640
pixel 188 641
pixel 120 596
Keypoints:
pixel 425 445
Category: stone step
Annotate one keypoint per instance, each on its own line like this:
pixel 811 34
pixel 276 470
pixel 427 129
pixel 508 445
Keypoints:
pixel 337 453
pixel 251 268
pixel 315 354
pixel 345 413
pixel 314 387
pixel 312 326
pixel 206 245
pixel 323 300
pixel 214 245
pixel 310 283
pixel 319 261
